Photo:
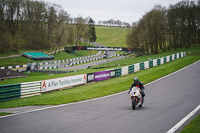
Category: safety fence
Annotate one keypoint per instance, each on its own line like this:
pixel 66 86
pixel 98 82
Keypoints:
pixel 30 89
pixel 14 67
pixel 9 92
pixel 13 91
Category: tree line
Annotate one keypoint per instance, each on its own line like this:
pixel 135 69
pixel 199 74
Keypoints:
pixel 177 26
pixel 112 22
pixel 36 25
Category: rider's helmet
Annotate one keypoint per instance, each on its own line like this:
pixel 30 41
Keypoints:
pixel 136 80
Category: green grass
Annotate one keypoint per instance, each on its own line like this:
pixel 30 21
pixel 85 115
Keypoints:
pixel 4 113
pixel 59 56
pixel 111 36
pixel 193 127
pixel 130 60
pixel 13 61
pixel 123 62
pixel 63 55
pixel 100 89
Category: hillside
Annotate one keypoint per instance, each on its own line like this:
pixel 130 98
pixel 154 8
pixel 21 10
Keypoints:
pixel 111 36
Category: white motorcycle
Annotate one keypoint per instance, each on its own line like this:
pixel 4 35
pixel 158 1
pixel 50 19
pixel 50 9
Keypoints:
pixel 136 97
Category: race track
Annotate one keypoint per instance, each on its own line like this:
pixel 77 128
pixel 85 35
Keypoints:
pixel 167 101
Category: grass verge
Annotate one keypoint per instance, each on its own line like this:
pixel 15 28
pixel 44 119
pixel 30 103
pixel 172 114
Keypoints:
pixel 4 113
pixel 102 88
pixel 193 127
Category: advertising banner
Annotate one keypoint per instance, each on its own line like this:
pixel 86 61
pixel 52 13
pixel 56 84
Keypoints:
pixel 98 76
pixel 102 48
pixel 58 83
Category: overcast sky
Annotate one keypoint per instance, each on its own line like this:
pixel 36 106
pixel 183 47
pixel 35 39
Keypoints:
pixel 124 10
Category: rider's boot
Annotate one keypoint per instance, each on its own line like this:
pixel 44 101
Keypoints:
pixel 142 100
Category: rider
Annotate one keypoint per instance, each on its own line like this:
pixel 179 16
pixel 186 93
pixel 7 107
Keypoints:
pixel 138 84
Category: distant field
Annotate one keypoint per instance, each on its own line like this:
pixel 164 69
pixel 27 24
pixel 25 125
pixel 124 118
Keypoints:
pixel 111 36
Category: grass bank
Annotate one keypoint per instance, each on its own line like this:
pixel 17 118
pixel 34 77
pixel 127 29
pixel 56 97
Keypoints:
pixel 102 88
pixel 111 36
pixel 193 127
pixel 4 113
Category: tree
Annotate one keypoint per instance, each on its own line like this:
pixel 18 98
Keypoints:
pixel 79 29
pixel 34 25
pixel 92 33
pixel 162 29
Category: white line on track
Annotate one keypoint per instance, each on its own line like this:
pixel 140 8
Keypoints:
pixel 180 123
pixel 56 106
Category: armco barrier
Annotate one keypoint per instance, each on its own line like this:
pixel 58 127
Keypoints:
pixel 130 69
pixel 9 92
pixel 165 60
pixel 137 67
pixel 118 72
pixel 158 62
pixel 142 66
pixel 146 64
pixel 14 67
pixel 30 89
pixel 170 58
pixel 150 63
pixel 124 70
pixel 155 62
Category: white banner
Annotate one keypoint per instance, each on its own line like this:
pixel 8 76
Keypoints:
pixel 58 83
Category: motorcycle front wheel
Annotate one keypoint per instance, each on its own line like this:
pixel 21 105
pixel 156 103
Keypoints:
pixel 133 104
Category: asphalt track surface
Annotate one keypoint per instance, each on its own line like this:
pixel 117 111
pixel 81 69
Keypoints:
pixel 167 101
